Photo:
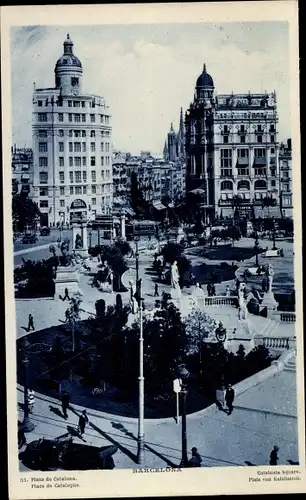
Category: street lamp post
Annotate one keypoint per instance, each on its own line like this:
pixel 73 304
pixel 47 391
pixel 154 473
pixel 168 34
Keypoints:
pixel 256 244
pixel 90 237
pixel 136 239
pixel 140 447
pixel 183 374
pixel 27 424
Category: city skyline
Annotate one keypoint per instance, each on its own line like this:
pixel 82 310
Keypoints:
pixel 142 65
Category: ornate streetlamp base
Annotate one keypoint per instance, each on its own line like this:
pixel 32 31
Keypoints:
pixel 28 425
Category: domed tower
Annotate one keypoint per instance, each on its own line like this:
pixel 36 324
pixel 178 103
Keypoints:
pixel 204 86
pixel 68 70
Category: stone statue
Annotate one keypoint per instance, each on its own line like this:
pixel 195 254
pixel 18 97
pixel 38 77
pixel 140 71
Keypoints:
pixel 133 301
pixel 242 312
pixel 175 276
pixel 78 241
pixel 270 274
pixel 66 259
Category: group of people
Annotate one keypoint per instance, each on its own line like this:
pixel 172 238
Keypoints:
pixel 225 398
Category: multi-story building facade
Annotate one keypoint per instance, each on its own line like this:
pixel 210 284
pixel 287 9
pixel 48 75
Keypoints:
pixel 72 146
pixel 232 149
pixel 22 170
pixel 285 178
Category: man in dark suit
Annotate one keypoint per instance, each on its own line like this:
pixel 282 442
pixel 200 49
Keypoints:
pixel 229 398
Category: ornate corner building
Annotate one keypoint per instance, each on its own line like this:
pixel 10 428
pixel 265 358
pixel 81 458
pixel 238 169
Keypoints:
pixel 232 151
pixel 72 147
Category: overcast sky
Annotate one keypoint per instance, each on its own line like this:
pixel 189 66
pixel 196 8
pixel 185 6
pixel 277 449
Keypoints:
pixel 147 72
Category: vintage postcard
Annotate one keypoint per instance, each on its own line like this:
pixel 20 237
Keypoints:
pixel 153 252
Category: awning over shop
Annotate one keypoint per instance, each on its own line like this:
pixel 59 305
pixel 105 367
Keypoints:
pixel 260 161
pixel 158 205
pixel 242 162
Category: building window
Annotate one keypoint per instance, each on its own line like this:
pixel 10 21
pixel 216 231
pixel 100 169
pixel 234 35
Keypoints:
pixel 243 153
pixel 84 147
pixel 43 177
pixel 92 118
pixel 42 147
pixel 226 162
pixel 70 133
pixel 71 177
pixel 102 146
pixel 84 176
pixel 39 104
pixel 42 134
pixel 92 147
pixel 83 104
pixel 92 133
pixel 272 151
pixel 62 191
pixel 69 104
pixel 42 117
pixel 43 203
pixel 61 161
pixel 93 189
pixel 225 139
pixel 71 190
pixel 70 147
pixel 102 161
pixel 107 147
pixel 74 81
pixel 243 185
pixel 62 177
pixel 70 161
pixel 272 138
pixel 259 152
pixel 242 139
pixel 43 161
pixel 93 201
pixel 260 184
pixel 84 190
pixel 102 133
pixel 61 133
pixel 77 133
pixel 77 161
pixel 259 138
pixel 62 203
pixel 78 176
pixel 76 104
pixel 260 172
pixel 70 117
pixel 273 183
pixel 273 172
pixel 77 118
pixel 93 176
pixel 243 171
pixel 78 190
pixel 61 147
pixel 93 161
pixel 272 128
pixel 43 192
pixel 83 133
pixel 61 117
pixel 83 117
pixel 77 147
pixel 84 161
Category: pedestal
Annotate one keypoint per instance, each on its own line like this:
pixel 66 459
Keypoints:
pixel 270 303
pixel 241 335
pixel 66 277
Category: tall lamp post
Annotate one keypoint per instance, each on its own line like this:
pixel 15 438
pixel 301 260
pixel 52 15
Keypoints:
pixel 140 442
pixel 256 245
pixel 136 239
pixel 90 238
pixel 183 374
pixel 27 424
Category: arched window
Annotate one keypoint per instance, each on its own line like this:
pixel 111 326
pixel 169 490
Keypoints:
pixel 226 186
pixel 243 185
pixel 260 184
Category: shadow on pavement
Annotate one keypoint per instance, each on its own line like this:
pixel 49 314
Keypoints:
pixel 291 462
pixel 249 463
pixel 56 411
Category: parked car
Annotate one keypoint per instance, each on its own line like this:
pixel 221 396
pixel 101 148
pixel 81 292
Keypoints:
pixel 45 231
pixel 64 454
pixel 29 238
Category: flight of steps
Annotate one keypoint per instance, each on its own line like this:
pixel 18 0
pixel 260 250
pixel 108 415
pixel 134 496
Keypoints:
pixel 290 365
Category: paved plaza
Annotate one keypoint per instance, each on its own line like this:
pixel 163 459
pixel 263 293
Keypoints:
pixel 263 416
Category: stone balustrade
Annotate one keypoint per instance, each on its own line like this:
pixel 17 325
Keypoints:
pixel 288 317
pixel 276 342
pixel 220 301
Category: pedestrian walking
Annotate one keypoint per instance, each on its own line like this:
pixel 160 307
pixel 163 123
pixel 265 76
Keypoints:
pixel 31 400
pixel 31 323
pixel 227 291
pixel 213 290
pixel 66 296
pixel 156 294
pixel 65 403
pixel 83 421
pixel 196 459
pixel 274 456
pixel 229 398
pixel 209 289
